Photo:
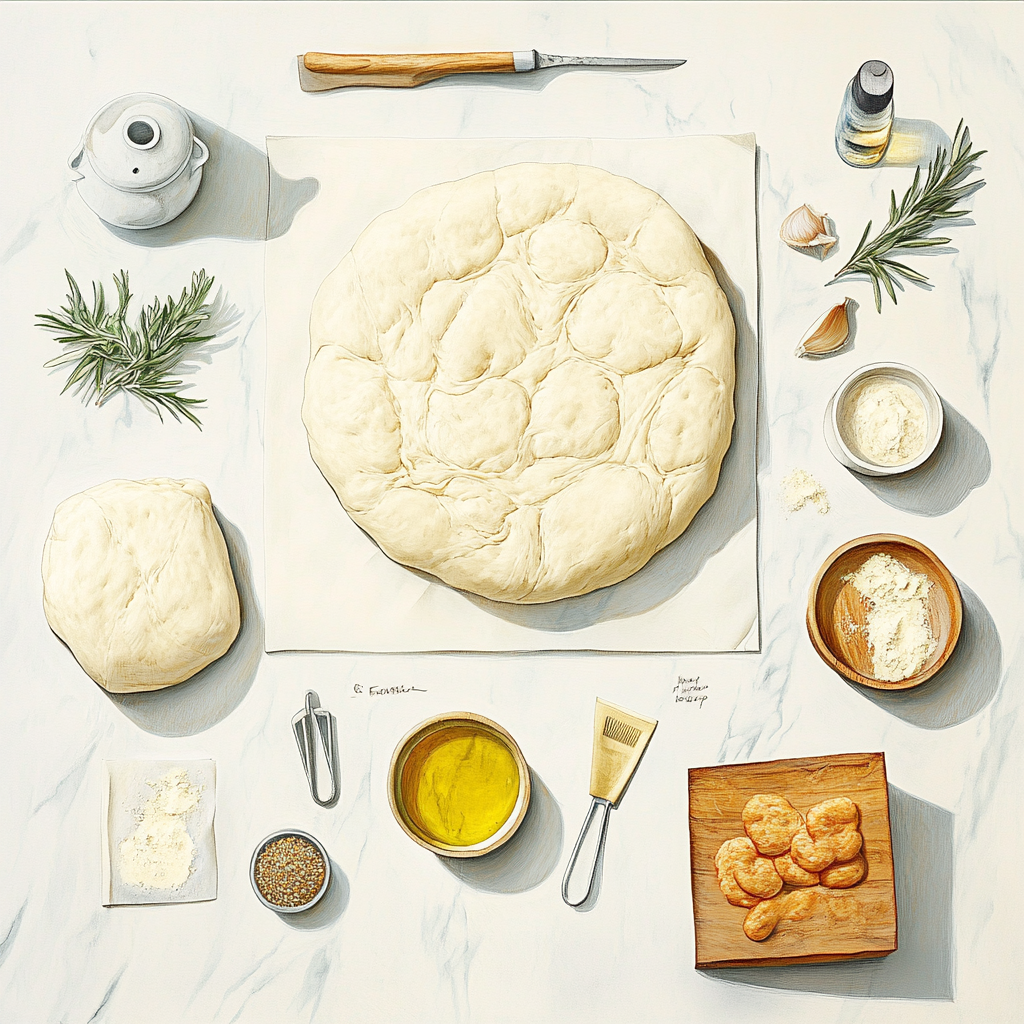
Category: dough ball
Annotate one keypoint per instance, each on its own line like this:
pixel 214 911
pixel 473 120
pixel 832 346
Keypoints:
pixel 137 582
pixel 522 382
pixel 678 430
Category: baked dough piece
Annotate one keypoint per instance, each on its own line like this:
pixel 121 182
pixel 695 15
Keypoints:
pixel 830 834
pixel 522 382
pixel 771 821
pixel 137 582
pixel 791 872
pixel 760 922
pixel 846 874
pixel 744 876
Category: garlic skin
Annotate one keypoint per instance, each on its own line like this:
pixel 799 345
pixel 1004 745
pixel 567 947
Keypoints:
pixel 807 231
pixel 828 333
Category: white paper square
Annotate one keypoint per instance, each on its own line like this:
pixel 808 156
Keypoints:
pixel 127 787
pixel 329 587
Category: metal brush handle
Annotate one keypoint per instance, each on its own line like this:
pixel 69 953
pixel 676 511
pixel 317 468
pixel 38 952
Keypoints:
pixel 600 808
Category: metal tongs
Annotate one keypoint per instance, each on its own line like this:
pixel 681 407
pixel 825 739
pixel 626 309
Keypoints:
pixel 309 723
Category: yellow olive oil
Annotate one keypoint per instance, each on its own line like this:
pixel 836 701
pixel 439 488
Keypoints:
pixel 460 785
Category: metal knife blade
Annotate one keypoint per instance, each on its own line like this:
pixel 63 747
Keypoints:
pixel 552 60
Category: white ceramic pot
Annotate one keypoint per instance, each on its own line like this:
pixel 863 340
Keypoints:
pixel 842 447
pixel 140 163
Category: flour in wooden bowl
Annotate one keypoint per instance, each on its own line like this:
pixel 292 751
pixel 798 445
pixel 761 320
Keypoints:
pixel 899 634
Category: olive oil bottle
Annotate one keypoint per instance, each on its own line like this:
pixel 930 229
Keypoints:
pixel 865 118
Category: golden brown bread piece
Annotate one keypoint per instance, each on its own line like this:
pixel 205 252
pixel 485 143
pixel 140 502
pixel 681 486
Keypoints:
pixel 743 875
pixel 761 921
pixel 829 834
pixel 791 872
pixel 771 821
pixel 825 849
pixel 846 874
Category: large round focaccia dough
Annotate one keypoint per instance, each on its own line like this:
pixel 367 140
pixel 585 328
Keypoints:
pixel 522 382
pixel 137 582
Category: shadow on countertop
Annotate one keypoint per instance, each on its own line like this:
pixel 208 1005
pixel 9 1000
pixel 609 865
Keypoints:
pixel 960 463
pixel 923 965
pixel 234 198
pixel 964 685
pixel 214 692
pixel 330 908
pixel 531 81
pixel 527 859
pixel 912 143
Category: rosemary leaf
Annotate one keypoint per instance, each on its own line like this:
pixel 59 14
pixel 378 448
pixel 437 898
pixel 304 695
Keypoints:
pixel 110 355
pixel 920 210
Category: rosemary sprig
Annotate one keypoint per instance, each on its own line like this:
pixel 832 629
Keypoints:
pixel 110 355
pixel 919 212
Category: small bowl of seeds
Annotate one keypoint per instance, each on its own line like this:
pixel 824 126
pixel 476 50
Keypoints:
pixel 290 871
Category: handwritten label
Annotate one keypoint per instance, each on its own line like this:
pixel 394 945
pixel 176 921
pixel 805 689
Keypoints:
pixel 690 691
pixel 358 690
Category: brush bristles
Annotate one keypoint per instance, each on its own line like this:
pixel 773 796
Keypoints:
pixel 621 732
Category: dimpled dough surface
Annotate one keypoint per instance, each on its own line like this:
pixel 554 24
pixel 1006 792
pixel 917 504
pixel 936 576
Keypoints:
pixel 522 382
pixel 137 582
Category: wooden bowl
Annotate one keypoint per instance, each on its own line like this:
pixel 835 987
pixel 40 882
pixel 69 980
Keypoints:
pixel 834 606
pixel 409 759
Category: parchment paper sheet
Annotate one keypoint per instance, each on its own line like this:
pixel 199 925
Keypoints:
pixel 328 585
pixel 125 792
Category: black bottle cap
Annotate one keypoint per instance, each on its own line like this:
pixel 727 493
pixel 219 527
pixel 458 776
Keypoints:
pixel 872 88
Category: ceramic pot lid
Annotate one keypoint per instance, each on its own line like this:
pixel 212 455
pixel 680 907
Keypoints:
pixel 139 142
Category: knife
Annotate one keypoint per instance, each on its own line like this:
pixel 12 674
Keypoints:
pixel 319 72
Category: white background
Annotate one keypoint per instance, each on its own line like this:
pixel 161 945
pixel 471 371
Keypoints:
pixel 405 936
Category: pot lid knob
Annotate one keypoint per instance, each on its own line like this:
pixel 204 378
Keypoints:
pixel 140 141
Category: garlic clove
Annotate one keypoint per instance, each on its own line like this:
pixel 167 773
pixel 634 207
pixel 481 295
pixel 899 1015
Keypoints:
pixel 828 333
pixel 806 230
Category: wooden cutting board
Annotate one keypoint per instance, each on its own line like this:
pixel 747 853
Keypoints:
pixel 857 923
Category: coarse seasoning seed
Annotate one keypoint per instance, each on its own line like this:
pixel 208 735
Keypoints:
pixel 289 871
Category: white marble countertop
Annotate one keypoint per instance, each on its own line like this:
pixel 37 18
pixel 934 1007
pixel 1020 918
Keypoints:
pixel 404 935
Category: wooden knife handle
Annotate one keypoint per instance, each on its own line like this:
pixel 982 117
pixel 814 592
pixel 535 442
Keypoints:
pixel 403 70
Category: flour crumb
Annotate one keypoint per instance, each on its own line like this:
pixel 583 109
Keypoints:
pixel 800 488
pixel 158 854
pixel 899 635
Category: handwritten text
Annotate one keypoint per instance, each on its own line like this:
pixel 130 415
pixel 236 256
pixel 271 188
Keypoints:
pixel 690 691
pixel 384 691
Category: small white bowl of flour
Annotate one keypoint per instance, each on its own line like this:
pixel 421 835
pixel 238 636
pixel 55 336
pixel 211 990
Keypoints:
pixel 886 418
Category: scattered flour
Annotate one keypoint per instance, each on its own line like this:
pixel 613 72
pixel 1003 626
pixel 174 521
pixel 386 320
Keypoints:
pixel 898 633
pixel 158 854
pixel 885 422
pixel 800 488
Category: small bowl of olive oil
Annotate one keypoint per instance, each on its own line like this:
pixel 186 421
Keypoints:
pixel 459 785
